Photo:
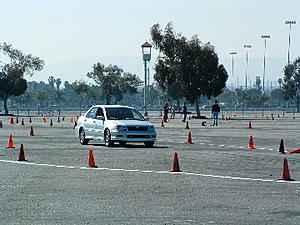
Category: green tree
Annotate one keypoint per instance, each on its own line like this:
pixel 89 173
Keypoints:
pixel 56 89
pixel 42 97
pixel 81 88
pixel 113 81
pixel 193 65
pixel 277 96
pixel 280 82
pixel 291 81
pixel 12 82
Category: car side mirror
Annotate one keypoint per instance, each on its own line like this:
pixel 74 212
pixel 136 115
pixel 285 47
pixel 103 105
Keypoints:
pixel 146 118
pixel 99 117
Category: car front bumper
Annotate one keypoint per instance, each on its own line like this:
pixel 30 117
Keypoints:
pixel 133 136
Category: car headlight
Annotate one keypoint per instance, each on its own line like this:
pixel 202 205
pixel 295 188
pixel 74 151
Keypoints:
pixel 151 128
pixel 120 128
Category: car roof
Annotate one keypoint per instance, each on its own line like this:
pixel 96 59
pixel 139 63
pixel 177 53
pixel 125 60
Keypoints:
pixel 113 106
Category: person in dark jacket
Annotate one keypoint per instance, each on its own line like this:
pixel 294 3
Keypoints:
pixel 184 111
pixel 166 111
pixel 215 111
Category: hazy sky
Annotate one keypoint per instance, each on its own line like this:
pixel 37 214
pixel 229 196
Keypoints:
pixel 64 30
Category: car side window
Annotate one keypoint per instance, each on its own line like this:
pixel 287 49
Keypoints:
pixel 92 113
pixel 99 112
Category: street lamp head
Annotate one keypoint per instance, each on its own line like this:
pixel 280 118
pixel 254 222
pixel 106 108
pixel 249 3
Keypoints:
pixel 265 36
pixel 146 51
pixel 290 22
pixel 247 46
pixel 232 53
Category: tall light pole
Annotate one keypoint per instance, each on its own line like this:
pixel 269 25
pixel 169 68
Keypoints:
pixel 290 22
pixel 146 51
pixel 265 37
pixel 247 62
pixel 232 65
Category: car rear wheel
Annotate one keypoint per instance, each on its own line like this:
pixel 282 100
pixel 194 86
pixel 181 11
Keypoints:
pixel 107 139
pixel 149 144
pixel 82 138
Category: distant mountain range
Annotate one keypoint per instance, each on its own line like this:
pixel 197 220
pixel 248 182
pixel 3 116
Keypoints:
pixel 77 68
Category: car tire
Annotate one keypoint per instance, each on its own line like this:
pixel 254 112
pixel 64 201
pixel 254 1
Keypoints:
pixel 107 139
pixel 82 138
pixel 149 144
pixel 122 143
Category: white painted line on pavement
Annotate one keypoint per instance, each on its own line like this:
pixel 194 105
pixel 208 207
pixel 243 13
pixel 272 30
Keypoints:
pixel 150 171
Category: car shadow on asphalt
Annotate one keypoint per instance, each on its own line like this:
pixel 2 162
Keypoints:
pixel 129 146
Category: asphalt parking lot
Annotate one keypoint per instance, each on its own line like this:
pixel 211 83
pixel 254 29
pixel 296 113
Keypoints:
pixel 223 182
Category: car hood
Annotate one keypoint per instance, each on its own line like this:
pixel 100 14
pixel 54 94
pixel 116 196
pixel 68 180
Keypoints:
pixel 130 122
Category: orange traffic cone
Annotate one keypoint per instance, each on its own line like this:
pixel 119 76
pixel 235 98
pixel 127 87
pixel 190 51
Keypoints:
pixel 187 125
pixel 251 143
pixel 189 139
pixel 31 133
pixel 162 124
pixel 72 120
pixel 22 154
pixel 176 167
pixel 10 142
pixel 22 122
pixel 51 123
pixel 30 120
pixel 1 124
pixel 281 147
pixel 11 121
pixel 285 172
pixel 295 151
pixel 250 125
pixel 91 159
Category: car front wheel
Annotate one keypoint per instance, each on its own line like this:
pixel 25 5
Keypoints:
pixel 82 138
pixel 149 144
pixel 107 139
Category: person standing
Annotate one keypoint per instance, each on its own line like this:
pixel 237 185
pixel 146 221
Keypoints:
pixel 166 111
pixel 215 111
pixel 184 111
pixel 173 112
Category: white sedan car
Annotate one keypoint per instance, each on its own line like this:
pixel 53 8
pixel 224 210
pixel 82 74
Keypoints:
pixel 115 123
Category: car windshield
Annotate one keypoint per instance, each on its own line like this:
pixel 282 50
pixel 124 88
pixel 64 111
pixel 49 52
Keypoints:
pixel 123 114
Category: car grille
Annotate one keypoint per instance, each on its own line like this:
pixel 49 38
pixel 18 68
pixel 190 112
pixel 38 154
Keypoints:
pixel 137 128
pixel 138 136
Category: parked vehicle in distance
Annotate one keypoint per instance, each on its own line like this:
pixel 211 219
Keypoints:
pixel 115 123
